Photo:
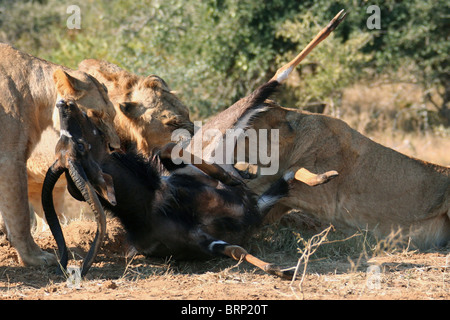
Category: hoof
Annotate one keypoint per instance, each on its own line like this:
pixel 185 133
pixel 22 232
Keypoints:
pixel 277 271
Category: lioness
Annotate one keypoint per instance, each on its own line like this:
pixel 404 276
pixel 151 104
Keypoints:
pixel 29 89
pixel 378 188
pixel 147 112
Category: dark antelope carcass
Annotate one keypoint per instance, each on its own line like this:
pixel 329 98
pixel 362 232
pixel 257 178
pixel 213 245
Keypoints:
pixel 183 212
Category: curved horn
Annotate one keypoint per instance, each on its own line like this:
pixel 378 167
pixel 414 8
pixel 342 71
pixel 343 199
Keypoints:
pixel 79 178
pixel 52 176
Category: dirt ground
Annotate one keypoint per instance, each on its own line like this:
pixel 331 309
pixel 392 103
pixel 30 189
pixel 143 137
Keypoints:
pixel 407 274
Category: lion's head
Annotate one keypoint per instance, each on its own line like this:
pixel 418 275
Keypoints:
pixel 147 111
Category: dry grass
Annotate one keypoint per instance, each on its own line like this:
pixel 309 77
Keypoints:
pixel 331 265
pixel 397 116
pixel 336 265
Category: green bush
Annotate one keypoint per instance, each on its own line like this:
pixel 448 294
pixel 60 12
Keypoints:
pixel 216 51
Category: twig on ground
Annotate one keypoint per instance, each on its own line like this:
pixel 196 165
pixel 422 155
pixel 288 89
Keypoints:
pixel 310 248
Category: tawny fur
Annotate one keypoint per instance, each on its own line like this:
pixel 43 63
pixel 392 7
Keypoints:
pixel 153 111
pixel 377 187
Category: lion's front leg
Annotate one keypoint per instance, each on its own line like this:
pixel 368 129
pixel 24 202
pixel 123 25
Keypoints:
pixel 15 211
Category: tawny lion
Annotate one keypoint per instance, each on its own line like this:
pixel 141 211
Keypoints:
pixel 147 110
pixel 30 88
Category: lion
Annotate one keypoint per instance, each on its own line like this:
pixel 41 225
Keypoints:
pixel 30 88
pixel 147 112
pixel 378 188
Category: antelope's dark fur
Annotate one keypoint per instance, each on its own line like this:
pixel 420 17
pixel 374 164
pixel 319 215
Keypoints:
pixel 177 214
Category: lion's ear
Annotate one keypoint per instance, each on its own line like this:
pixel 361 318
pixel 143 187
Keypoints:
pixel 66 84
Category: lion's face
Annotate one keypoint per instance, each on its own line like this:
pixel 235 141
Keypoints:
pixel 91 97
pixel 154 112
pixel 147 111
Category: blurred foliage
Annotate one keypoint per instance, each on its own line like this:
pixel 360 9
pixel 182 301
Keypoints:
pixel 216 51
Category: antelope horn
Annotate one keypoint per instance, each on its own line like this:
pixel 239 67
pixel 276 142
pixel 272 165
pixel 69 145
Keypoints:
pixel 285 70
pixel 52 176
pixel 87 190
